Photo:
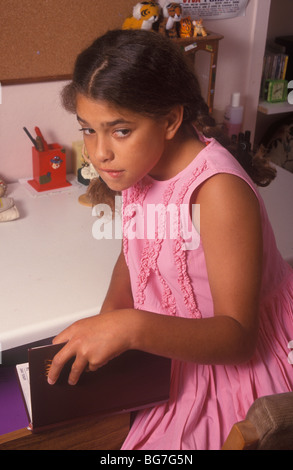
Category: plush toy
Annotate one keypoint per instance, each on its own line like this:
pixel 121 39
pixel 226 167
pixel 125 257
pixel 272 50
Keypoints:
pixel 186 28
pixel 3 187
pixel 170 18
pixel 144 15
pixel 85 175
pixel 199 29
pixel 8 210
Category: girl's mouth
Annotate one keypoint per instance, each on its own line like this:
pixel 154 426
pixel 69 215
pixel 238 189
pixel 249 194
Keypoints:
pixel 113 173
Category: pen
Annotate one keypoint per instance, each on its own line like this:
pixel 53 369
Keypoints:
pixel 31 137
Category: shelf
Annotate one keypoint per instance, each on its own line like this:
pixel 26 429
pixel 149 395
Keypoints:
pixel 275 108
pixel 210 44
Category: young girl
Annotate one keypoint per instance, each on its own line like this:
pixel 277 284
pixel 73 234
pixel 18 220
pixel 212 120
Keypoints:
pixel 219 305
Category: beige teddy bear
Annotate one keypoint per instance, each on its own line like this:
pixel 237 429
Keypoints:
pixel 8 209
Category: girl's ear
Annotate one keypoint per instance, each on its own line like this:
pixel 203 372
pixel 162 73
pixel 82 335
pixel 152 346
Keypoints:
pixel 174 120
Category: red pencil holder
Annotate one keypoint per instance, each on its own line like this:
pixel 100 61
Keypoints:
pixel 49 168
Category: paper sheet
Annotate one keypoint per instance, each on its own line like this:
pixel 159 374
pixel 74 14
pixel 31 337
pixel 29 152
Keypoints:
pixel 24 379
pixel 213 9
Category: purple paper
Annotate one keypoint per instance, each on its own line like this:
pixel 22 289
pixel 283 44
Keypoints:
pixel 12 409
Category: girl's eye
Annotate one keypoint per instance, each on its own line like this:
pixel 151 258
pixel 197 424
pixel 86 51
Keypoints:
pixel 122 133
pixel 87 131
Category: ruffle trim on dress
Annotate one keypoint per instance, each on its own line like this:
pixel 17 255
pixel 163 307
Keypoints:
pixel 180 255
pixel 135 195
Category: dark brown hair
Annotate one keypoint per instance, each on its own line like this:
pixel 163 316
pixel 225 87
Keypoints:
pixel 146 73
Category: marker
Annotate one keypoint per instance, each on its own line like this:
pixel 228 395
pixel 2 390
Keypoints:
pixel 40 135
pixel 40 145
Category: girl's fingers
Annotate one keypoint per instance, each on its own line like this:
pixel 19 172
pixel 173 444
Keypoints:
pixel 76 370
pixel 58 363
pixel 82 339
pixel 62 337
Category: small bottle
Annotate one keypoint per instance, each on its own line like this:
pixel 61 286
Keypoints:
pixel 233 116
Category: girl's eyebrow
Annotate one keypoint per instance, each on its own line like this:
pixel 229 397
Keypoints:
pixel 81 120
pixel 106 124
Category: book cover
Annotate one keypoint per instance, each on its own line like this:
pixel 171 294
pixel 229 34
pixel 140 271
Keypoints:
pixel 131 381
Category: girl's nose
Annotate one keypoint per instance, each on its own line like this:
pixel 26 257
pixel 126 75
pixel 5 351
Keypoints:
pixel 102 151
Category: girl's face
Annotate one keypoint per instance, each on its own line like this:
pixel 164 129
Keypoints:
pixel 123 146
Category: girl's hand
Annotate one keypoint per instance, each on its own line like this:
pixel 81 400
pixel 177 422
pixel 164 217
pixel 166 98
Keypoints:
pixel 93 341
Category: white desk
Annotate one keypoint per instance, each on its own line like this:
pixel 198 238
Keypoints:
pixel 53 271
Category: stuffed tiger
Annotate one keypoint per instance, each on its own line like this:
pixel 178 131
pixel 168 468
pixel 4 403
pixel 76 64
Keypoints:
pixel 143 16
pixel 171 16
pixel 186 27
pixel 199 29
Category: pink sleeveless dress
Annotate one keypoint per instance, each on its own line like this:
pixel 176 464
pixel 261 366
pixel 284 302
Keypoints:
pixel 169 276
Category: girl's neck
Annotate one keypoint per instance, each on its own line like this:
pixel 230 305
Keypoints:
pixel 179 152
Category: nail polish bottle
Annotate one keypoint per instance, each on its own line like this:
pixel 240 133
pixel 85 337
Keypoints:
pixel 233 116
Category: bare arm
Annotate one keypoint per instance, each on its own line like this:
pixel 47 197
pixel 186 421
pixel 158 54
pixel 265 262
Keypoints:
pixel 119 293
pixel 232 241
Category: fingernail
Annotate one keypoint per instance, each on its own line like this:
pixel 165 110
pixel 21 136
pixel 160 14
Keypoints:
pixel 50 381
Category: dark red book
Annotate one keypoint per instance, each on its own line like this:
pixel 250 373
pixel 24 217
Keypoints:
pixel 129 382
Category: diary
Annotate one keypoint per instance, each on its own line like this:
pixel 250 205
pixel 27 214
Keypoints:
pixel 129 382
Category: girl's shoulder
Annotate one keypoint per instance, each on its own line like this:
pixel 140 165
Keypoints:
pixel 224 189
pixel 220 160
pixel 214 160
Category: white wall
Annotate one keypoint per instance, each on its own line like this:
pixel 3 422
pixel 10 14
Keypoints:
pixel 28 106
pixel 240 59
pixel 239 69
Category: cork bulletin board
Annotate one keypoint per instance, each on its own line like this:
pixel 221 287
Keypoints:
pixel 40 39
